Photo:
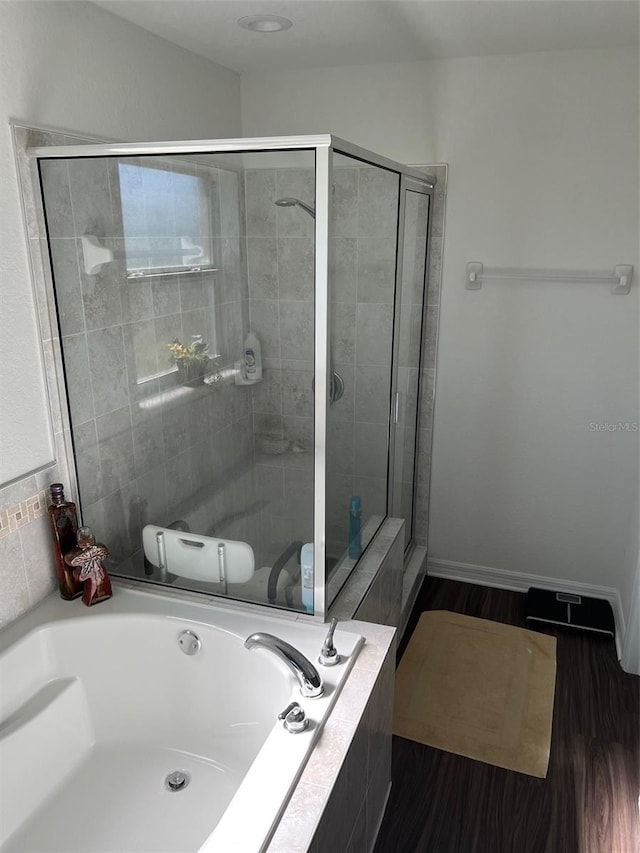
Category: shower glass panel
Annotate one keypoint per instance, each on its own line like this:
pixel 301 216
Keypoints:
pixel 362 273
pixel 162 265
pixel 236 318
pixel 411 295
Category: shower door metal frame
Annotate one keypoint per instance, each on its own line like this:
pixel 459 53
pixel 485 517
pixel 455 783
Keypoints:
pixel 408 184
pixel 412 180
pixel 324 146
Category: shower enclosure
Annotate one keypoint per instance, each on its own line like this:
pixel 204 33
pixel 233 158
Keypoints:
pixel 202 460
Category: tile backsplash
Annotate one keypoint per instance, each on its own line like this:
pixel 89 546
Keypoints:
pixel 27 572
pixel 22 512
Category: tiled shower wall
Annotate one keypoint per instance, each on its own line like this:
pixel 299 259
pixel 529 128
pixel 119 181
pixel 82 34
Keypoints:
pixel 365 209
pixel 26 560
pixel 280 262
pixel 135 465
pixel 280 252
pixel 147 448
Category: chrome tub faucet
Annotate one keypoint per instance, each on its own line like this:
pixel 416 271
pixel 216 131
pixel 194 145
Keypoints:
pixel 308 676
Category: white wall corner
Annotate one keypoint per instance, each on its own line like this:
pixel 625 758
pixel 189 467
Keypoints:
pixel 520 582
pixel 630 658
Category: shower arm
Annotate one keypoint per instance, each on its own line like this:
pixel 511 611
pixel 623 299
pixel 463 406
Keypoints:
pixel 336 382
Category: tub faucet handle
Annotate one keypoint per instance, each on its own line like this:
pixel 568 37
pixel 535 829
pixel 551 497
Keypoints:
pixel 328 655
pixel 294 718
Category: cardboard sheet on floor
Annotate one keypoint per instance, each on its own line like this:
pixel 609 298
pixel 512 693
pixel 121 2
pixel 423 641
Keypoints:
pixel 480 689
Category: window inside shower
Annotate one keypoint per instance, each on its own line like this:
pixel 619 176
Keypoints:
pixel 166 214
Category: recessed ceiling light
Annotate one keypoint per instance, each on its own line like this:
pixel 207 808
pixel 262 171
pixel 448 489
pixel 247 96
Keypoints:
pixel 265 23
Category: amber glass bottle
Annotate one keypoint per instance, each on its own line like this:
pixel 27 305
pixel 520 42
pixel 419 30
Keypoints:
pixel 64 525
pixel 87 561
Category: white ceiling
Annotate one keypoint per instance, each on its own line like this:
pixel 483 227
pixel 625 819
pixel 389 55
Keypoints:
pixel 356 32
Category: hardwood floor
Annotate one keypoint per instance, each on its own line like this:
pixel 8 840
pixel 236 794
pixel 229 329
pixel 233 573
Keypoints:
pixel 444 803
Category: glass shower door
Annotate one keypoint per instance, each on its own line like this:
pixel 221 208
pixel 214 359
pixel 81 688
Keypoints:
pixel 362 293
pixel 163 263
pixel 410 311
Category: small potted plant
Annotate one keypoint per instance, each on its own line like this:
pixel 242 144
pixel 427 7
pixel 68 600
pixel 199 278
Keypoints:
pixel 192 360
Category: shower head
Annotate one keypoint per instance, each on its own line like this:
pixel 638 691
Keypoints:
pixel 295 202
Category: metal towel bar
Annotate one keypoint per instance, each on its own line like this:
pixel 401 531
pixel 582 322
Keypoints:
pixel 619 280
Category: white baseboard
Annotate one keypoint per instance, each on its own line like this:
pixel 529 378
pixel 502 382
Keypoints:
pixel 520 582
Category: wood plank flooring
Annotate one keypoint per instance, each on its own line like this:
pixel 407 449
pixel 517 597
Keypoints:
pixel 444 803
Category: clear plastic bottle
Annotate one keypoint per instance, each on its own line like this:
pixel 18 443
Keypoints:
pixel 252 358
pixel 306 569
pixel 355 526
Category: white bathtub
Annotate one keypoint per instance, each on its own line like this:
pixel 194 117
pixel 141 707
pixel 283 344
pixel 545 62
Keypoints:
pixel 99 705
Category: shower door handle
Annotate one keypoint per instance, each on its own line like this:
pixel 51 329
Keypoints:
pixel 336 387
